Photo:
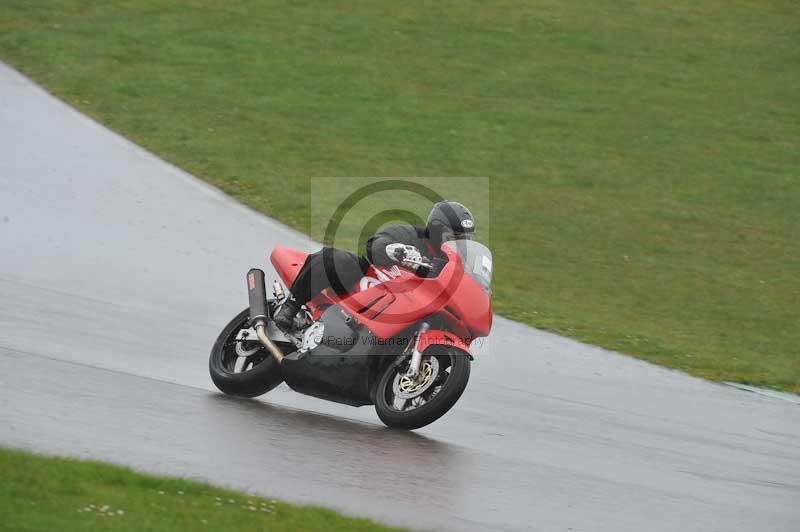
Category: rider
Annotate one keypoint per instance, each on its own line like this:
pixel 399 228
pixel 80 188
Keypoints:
pixel 404 244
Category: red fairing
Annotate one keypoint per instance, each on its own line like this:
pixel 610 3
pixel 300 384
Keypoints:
pixel 436 337
pixel 396 304
pixel 287 263
pixel 388 301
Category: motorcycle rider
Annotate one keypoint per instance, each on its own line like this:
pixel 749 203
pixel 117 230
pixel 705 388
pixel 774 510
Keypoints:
pixel 404 244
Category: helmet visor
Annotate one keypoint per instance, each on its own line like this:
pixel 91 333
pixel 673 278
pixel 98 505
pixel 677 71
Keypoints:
pixel 449 235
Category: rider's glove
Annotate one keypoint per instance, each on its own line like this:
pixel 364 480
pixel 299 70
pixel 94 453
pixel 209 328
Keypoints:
pixel 411 265
pixel 407 255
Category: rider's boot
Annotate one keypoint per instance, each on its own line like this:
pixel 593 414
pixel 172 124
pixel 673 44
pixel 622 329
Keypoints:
pixel 284 318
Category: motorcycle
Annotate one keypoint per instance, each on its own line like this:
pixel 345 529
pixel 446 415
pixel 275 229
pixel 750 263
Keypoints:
pixel 398 340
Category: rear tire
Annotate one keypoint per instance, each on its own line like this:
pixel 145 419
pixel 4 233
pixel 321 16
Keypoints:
pixel 261 372
pixel 442 394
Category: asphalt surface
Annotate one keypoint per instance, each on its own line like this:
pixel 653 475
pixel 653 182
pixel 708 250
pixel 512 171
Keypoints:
pixel 118 270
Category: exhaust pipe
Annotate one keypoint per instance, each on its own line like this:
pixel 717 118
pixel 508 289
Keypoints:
pixel 258 311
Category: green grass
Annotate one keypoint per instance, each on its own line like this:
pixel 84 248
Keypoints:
pixel 644 156
pixel 45 493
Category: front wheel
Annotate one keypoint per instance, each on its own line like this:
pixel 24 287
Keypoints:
pixel 410 403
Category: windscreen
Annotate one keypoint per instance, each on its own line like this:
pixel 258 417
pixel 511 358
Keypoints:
pixel 477 260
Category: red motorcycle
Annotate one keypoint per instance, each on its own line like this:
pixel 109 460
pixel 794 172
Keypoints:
pixel 398 340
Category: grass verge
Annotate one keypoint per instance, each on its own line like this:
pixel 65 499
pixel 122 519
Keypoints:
pixel 45 493
pixel 643 155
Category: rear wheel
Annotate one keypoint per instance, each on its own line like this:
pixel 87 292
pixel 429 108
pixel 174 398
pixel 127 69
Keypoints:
pixel 410 403
pixel 243 368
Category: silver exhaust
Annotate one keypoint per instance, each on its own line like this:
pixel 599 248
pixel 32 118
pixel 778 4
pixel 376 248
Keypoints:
pixel 261 332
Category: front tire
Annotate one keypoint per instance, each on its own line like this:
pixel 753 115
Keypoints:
pixel 245 376
pixel 405 404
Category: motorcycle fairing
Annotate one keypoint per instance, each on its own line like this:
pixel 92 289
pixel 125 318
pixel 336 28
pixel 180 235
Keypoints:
pixel 328 374
pixel 287 263
pixel 343 374
pixel 400 302
pixel 393 301
pixel 446 338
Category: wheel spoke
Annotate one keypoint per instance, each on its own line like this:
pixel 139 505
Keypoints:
pixel 240 364
pixel 400 404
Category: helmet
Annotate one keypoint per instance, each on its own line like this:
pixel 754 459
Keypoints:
pixel 450 220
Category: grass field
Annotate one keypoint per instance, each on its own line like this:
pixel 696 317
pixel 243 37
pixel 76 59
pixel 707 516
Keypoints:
pixel 644 156
pixel 44 494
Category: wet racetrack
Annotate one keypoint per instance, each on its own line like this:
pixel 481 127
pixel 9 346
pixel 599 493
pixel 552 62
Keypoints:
pixel 118 271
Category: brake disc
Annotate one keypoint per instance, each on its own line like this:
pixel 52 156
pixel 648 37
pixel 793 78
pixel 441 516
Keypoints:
pixel 405 387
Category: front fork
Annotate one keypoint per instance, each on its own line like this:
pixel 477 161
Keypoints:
pixel 416 354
